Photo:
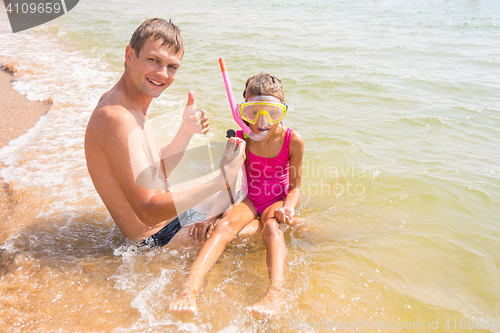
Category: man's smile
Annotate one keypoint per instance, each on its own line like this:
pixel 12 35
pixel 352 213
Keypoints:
pixel 156 83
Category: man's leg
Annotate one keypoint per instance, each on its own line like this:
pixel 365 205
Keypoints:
pixel 275 258
pixel 227 228
pixel 182 238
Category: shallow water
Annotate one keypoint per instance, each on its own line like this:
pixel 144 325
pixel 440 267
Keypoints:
pixel 398 104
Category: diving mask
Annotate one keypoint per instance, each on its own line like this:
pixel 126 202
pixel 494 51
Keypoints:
pixel 264 106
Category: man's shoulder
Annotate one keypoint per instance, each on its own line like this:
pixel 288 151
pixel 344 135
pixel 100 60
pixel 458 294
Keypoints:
pixel 109 121
pixel 110 107
pixel 109 113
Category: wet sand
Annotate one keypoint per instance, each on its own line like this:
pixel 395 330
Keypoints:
pixel 17 115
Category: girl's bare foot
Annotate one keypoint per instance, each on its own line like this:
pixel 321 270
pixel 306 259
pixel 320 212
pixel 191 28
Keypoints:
pixel 185 302
pixel 270 304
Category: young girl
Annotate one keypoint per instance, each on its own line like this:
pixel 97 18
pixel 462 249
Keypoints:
pixel 272 183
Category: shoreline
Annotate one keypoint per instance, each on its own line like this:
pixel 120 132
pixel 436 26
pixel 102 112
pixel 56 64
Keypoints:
pixel 17 116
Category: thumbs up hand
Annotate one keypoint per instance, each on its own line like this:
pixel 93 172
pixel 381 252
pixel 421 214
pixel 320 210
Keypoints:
pixel 196 121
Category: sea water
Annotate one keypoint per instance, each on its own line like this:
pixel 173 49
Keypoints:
pixel 398 103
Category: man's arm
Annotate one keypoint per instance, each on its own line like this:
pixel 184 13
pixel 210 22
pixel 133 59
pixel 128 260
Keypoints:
pixel 193 121
pixel 203 229
pixel 124 155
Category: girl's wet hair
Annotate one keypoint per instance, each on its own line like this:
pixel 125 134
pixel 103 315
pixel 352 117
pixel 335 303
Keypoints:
pixel 264 84
pixel 157 28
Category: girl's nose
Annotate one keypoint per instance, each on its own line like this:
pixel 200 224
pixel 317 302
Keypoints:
pixel 263 121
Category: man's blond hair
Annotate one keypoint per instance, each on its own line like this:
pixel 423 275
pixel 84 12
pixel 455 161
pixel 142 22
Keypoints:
pixel 157 28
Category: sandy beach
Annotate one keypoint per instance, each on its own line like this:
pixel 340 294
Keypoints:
pixel 17 115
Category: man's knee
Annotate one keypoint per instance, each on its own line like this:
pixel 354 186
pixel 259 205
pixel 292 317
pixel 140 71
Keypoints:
pixel 182 238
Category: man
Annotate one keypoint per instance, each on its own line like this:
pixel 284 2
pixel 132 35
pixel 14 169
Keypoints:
pixel 127 166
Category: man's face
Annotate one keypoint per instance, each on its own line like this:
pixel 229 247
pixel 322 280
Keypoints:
pixel 154 69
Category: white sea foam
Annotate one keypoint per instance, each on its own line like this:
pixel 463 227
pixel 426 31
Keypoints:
pixel 51 154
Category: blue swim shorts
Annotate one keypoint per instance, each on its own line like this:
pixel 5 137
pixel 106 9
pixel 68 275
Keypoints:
pixel 162 237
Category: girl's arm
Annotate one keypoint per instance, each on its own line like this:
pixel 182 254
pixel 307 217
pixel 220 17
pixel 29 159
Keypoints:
pixel 286 214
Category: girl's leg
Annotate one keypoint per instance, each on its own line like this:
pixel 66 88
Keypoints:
pixel 251 228
pixel 276 256
pixel 227 228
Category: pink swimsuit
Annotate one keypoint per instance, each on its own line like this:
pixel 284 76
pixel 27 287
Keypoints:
pixel 267 179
